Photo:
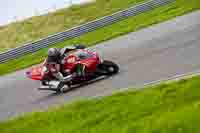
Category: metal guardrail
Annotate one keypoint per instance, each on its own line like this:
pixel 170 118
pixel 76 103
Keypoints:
pixel 80 30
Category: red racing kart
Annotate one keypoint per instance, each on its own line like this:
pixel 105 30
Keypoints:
pixel 94 67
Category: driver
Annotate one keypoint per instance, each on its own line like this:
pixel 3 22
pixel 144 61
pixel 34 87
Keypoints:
pixel 54 63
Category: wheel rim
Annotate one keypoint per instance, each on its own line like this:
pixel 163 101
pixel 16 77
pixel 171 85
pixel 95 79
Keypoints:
pixel 111 69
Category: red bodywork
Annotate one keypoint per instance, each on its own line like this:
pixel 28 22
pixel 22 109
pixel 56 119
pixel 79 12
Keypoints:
pixel 89 59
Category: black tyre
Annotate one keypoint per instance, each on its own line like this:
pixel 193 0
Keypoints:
pixel 60 88
pixel 44 83
pixel 80 46
pixel 108 68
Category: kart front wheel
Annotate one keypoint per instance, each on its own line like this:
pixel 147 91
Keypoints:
pixel 63 87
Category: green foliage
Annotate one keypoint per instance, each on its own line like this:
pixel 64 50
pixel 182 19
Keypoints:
pixel 18 33
pixel 179 7
pixel 165 108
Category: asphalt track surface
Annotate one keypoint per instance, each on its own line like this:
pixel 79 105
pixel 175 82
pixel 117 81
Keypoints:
pixel 159 52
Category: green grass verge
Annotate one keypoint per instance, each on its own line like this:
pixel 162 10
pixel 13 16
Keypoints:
pixel 177 8
pixel 17 34
pixel 167 108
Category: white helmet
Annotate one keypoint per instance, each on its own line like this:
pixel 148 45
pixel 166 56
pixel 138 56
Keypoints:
pixel 53 52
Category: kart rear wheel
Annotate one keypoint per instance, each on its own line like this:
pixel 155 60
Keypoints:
pixel 80 46
pixel 108 68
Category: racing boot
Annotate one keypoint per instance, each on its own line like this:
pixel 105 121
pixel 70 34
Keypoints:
pixel 63 81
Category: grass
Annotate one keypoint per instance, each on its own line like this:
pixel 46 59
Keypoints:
pixel 166 108
pixel 17 34
pixel 177 8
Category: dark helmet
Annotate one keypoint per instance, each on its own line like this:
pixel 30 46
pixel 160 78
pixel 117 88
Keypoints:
pixel 53 52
